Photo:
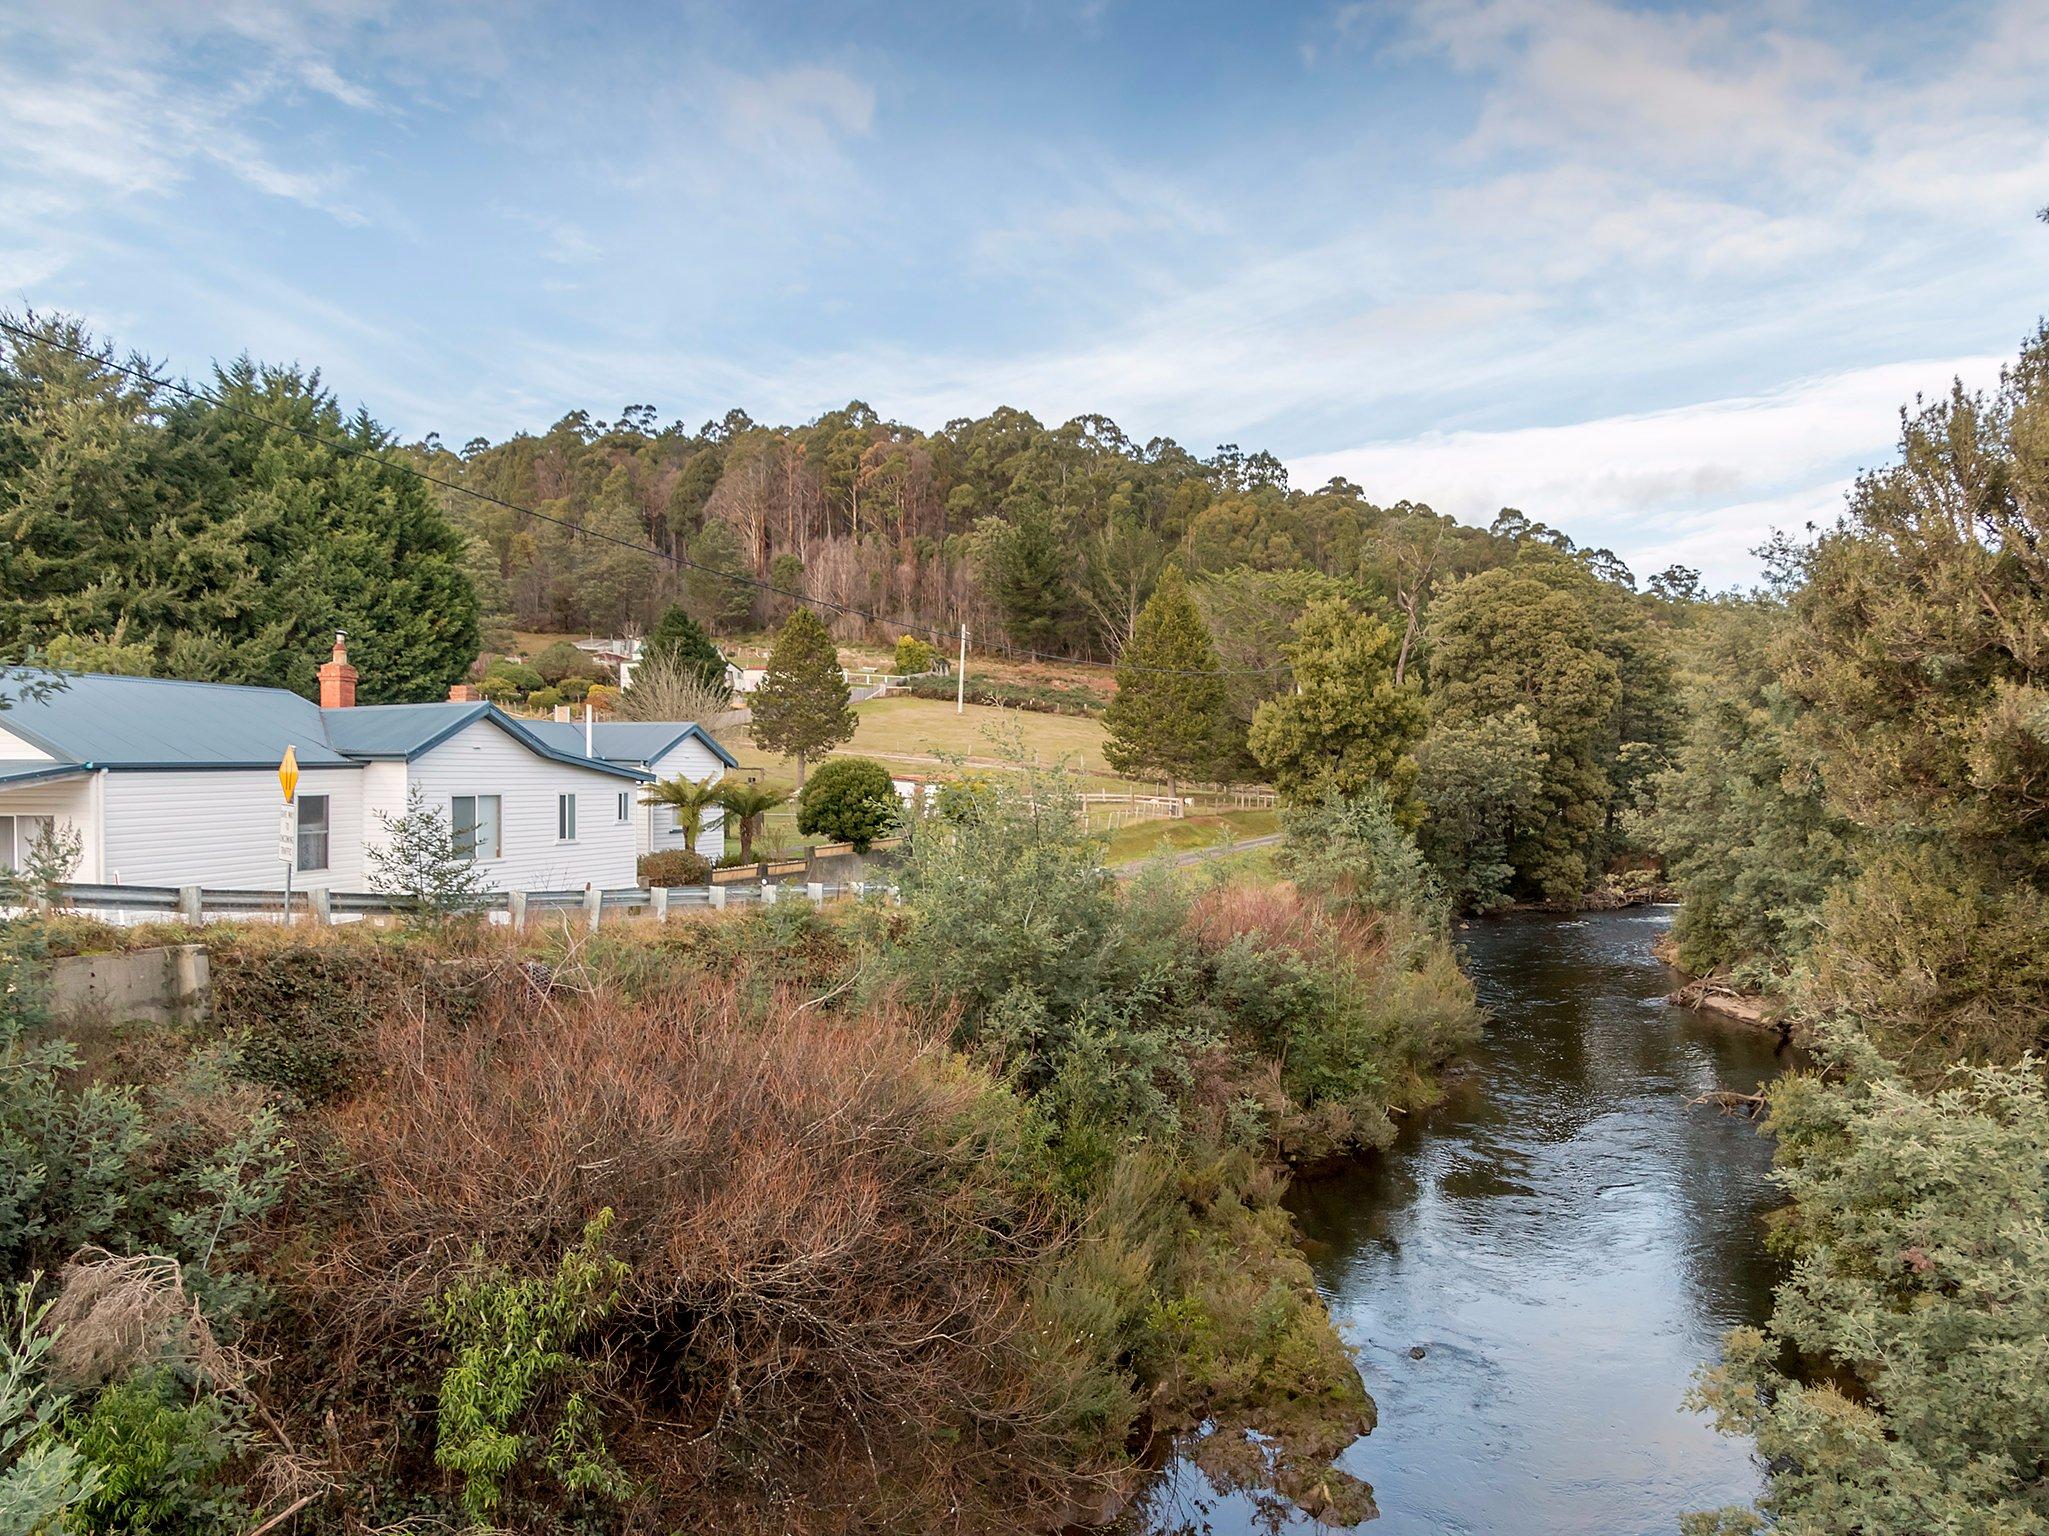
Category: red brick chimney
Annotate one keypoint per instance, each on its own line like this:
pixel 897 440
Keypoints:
pixel 463 693
pixel 338 678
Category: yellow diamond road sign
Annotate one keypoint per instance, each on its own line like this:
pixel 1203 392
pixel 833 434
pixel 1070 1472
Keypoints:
pixel 288 773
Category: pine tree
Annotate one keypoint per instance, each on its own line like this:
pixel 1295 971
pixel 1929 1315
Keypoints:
pixel 677 636
pixel 803 705
pixel 1172 715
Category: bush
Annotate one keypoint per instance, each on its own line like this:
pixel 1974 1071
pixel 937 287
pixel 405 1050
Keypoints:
pixel 574 689
pixel 603 697
pixel 521 678
pixel 1920 1250
pixel 850 800
pixel 545 698
pixel 914 656
pixel 499 688
pixel 734 859
pixel 511 1338
pixel 810 1212
pixel 162 1453
pixel 672 867
pixel 1038 698
pixel 561 661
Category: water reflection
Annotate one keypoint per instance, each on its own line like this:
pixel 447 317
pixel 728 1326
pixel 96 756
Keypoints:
pixel 1565 1239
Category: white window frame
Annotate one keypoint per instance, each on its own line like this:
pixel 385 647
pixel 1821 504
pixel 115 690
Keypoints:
pixel 497 825
pixel 324 831
pixel 16 844
pixel 565 818
pixel 626 805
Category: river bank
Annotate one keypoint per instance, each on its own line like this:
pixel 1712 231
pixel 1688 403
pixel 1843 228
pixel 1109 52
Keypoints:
pixel 1530 1275
pixel 1714 994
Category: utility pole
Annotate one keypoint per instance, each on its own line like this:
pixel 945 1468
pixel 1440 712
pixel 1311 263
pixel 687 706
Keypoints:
pixel 960 682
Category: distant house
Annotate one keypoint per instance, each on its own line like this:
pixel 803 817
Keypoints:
pixel 175 783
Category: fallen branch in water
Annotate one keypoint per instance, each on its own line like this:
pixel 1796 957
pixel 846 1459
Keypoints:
pixel 1748 1105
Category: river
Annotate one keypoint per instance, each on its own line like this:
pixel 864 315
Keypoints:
pixel 1565 1240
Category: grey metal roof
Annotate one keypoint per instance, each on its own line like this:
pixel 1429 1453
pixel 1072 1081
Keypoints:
pixel 627 741
pixel 397 730
pixel 154 722
pixel 407 730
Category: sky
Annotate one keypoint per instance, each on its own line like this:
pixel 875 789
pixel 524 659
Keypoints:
pixel 1661 275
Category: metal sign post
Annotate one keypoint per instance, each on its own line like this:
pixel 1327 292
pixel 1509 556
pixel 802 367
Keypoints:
pixel 287 831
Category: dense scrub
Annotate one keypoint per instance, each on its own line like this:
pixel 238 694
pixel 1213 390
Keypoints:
pixel 871 1219
pixel 1859 821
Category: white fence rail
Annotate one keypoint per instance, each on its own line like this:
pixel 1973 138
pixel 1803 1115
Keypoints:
pixel 197 904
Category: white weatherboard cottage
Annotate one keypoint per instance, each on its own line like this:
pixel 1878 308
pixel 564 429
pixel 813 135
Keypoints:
pixel 175 783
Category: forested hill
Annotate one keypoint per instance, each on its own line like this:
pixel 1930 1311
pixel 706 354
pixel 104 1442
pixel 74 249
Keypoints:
pixel 1048 537
pixel 218 532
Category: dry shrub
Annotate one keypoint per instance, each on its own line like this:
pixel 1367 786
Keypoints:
pixel 1277 916
pixel 828 1320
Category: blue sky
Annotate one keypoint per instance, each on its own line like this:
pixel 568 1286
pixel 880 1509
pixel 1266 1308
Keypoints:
pixel 1658 274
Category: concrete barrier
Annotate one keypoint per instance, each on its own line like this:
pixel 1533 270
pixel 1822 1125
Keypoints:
pixel 170 985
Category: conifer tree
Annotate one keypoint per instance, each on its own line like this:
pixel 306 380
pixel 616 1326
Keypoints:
pixel 678 637
pixel 1171 715
pixel 803 705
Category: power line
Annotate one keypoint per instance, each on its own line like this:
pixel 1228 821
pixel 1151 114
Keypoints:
pixel 351 450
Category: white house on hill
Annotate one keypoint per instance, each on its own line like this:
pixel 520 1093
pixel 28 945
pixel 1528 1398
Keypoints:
pixel 175 783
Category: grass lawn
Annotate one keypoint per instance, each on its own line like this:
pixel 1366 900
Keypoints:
pixel 899 728
pixel 1146 839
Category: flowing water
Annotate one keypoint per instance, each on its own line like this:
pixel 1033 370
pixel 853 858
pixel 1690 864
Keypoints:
pixel 1565 1239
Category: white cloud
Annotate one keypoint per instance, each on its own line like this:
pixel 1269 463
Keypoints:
pixel 1703 484
pixel 805 111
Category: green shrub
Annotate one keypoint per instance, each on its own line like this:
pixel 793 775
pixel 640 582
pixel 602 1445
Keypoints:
pixel 1037 698
pixel 574 689
pixel 511 1339
pixel 672 867
pixel 162 1453
pixel 850 800
pixel 41 1473
pixel 913 656
pixel 561 661
pixel 1921 1253
pixel 520 677
pixel 545 698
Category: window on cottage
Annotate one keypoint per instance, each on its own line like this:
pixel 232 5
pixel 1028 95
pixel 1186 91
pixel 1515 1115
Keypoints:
pixel 313 826
pixel 475 822
pixel 565 818
pixel 626 805
pixel 18 834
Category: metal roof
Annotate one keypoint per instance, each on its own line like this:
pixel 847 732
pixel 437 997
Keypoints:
pixel 627 741
pixel 407 730
pixel 155 722
pixel 15 773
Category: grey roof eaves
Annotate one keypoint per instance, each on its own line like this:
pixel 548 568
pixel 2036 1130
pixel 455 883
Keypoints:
pixel 31 773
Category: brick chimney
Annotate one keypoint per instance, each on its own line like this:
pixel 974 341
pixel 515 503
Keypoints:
pixel 463 693
pixel 338 678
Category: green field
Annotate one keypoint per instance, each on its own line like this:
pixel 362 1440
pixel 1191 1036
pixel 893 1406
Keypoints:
pixel 1148 839
pixel 902 730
